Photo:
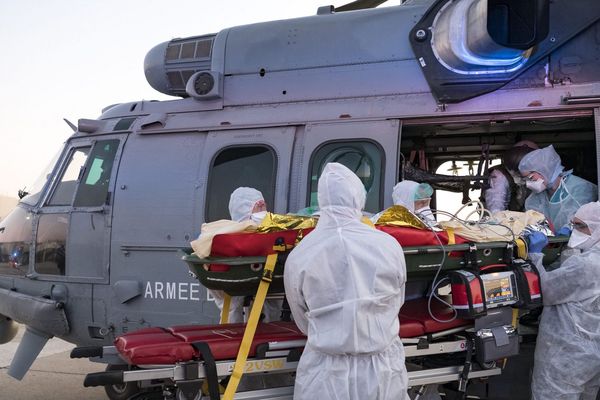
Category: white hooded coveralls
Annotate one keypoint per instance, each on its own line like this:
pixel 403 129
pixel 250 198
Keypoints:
pixel 567 353
pixel 241 204
pixel 345 286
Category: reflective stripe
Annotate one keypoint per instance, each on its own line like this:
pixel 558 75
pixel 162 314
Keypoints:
pixel 466 307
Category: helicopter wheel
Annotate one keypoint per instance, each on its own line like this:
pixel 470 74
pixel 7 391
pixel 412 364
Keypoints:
pixel 121 391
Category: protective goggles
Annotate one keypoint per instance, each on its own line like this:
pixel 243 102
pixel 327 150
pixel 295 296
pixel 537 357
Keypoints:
pixel 577 225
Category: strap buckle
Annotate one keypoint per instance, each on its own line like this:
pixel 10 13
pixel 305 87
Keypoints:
pixel 267 276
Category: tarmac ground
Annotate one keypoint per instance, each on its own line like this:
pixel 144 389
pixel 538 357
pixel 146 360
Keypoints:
pixel 54 375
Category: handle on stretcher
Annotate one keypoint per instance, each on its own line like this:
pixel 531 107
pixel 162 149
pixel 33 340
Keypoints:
pixel 103 378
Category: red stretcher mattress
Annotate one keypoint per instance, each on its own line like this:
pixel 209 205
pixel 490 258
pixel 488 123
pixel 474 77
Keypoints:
pixel 260 244
pixel 172 345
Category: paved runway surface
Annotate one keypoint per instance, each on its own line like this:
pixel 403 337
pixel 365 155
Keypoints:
pixel 53 375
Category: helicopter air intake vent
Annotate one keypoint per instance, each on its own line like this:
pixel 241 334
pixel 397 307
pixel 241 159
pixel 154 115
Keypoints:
pixel 204 85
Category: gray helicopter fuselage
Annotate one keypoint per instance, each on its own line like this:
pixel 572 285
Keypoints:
pixel 97 249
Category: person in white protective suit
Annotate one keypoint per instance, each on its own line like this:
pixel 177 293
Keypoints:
pixel 498 195
pixel 555 193
pixel 415 197
pixel 345 285
pixel 246 204
pixel 567 354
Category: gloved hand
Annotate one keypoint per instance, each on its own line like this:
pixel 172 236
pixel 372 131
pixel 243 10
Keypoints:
pixel 564 231
pixel 536 241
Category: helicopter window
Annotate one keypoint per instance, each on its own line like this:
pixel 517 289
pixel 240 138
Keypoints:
pixel 15 238
pixel 252 166
pixel 364 158
pixel 93 189
pixel 33 193
pixel 50 254
pixel 63 194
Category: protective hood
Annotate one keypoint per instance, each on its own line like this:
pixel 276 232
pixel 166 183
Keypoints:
pixel 497 196
pixel 242 202
pixel 341 195
pixel 590 214
pixel 544 161
pixel 404 194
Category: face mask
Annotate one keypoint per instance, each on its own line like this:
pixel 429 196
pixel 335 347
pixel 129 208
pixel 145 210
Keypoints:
pixel 536 186
pixel 578 240
pixel 257 217
pixel 425 213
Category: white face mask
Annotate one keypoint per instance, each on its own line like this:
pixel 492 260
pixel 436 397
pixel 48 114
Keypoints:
pixel 536 186
pixel 579 240
pixel 257 217
pixel 426 214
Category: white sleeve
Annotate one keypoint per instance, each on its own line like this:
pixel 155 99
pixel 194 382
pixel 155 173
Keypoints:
pixel 573 281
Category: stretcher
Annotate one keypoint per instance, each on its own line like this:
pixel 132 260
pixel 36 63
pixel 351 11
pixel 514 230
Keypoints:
pixel 236 262
pixel 181 359
pixel 190 362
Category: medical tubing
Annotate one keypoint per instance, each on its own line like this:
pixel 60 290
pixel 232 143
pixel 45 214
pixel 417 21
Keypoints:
pixel 436 284
pixel 482 225
pixel 481 207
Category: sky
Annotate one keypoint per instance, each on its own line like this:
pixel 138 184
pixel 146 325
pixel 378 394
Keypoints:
pixel 71 58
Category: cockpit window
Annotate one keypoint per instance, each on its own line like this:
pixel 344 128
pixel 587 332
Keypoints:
pixel 50 249
pixel 15 241
pixel 93 189
pixel 364 158
pixel 65 190
pixel 34 192
pixel 252 166
pixel 85 180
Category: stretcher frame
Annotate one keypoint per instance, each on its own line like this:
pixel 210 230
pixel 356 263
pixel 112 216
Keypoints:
pixel 282 357
pixel 422 262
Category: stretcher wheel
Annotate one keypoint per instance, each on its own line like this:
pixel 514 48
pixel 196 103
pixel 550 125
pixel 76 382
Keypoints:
pixel 181 396
pixel 121 391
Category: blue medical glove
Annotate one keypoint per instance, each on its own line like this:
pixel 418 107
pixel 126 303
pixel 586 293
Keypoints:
pixel 564 231
pixel 536 242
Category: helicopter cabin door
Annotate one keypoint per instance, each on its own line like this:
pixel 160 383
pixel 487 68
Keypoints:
pixel 73 224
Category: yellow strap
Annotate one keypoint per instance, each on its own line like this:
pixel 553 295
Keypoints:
pixel 451 237
pixel 521 248
pixel 515 317
pixel 259 299
pixel 225 310
pixel 205 391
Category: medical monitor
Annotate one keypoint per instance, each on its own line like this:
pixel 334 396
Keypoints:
pixel 500 289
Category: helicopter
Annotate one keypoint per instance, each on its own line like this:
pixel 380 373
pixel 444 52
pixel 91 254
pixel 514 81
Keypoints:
pixel 91 252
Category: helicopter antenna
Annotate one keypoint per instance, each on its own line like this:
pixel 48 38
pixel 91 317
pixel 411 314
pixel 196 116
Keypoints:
pixel 359 5
pixel 71 125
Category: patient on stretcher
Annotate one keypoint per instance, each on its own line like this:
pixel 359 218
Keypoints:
pixel 247 209
pixel 413 197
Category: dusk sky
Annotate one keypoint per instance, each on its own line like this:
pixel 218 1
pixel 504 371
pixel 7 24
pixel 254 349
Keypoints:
pixel 71 58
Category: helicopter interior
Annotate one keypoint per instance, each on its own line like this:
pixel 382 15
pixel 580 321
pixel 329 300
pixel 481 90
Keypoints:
pixel 457 148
